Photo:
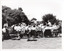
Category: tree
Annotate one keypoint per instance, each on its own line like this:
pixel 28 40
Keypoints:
pixel 13 16
pixel 50 18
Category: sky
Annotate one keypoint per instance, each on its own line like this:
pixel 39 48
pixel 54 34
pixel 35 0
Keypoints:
pixel 36 8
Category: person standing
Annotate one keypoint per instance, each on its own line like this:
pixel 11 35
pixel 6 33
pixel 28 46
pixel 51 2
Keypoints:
pixel 17 28
pixel 32 34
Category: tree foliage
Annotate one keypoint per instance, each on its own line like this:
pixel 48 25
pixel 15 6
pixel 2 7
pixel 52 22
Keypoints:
pixel 13 16
pixel 50 18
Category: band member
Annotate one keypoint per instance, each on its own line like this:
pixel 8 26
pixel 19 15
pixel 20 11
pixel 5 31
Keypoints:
pixel 32 34
pixel 5 34
pixel 17 28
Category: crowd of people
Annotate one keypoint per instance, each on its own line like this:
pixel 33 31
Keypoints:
pixel 20 30
pixel 16 25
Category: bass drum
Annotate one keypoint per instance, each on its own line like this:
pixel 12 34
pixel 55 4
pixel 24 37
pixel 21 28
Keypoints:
pixel 47 33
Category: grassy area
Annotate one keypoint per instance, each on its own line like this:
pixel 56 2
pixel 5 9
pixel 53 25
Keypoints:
pixel 41 43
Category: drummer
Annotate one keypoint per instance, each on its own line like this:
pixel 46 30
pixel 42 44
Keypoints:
pixel 33 30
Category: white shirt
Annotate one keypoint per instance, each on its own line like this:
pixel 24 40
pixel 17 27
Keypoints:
pixel 55 27
pixel 42 27
pixel 17 28
pixel 4 30
pixel 26 27
pixel 23 30
pixel 33 28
